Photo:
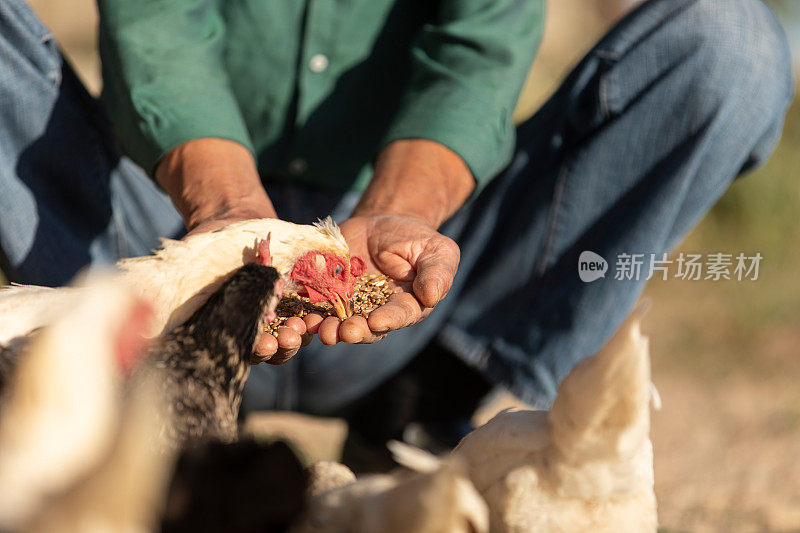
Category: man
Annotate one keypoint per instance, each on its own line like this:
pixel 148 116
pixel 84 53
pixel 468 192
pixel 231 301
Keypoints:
pixel 258 109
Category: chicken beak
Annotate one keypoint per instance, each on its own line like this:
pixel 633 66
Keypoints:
pixel 342 307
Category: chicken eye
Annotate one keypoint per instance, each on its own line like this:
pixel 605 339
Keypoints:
pixel 337 270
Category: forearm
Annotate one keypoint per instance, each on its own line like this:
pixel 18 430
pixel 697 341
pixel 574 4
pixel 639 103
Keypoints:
pixel 418 178
pixel 211 179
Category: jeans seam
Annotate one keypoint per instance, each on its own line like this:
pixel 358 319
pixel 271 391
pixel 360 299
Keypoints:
pixel 603 97
pixel 553 219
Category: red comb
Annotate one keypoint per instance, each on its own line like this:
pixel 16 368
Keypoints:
pixel 357 266
pixel 263 256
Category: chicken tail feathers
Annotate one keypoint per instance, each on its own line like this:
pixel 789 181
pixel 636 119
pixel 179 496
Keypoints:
pixel 602 408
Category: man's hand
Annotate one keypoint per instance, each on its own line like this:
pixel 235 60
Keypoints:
pixel 406 249
pixel 213 183
pixel 416 186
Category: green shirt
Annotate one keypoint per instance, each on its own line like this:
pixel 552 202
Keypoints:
pixel 315 88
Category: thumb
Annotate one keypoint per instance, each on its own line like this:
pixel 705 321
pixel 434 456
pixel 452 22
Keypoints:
pixel 436 267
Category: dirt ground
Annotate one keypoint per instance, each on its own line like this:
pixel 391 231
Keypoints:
pixel 728 436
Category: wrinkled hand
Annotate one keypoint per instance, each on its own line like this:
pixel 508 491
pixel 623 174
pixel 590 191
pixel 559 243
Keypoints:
pixel 410 251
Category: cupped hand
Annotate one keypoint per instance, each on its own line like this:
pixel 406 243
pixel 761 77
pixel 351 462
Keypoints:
pixel 421 260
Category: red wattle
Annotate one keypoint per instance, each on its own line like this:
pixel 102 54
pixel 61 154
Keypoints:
pixel 263 256
pixel 314 295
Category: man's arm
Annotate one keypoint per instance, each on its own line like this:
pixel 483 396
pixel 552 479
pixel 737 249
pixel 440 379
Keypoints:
pixel 417 178
pixel 214 182
pixel 467 70
pixel 417 185
pixel 164 78
pixel 451 135
pixel 174 114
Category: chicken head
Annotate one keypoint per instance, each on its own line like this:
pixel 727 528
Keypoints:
pixel 325 276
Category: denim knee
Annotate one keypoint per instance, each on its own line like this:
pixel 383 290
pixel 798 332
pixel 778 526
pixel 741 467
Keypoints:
pixel 742 54
pixel 24 43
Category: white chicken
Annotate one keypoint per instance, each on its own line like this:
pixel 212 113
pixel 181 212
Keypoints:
pixel 431 496
pixel 126 489
pixel 90 418
pixel 59 408
pixel 181 275
pixel 587 464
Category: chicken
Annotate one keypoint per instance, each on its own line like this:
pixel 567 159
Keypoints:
pixel 126 489
pixel 202 364
pixel 59 406
pixel 181 275
pixel 431 496
pixel 184 392
pixel 25 308
pixel 587 464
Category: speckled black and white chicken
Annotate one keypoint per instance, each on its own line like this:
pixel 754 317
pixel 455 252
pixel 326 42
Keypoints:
pixel 203 363
pixel 86 446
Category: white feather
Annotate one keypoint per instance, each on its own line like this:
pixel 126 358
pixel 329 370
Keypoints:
pixel 180 275
pixel 434 497
pixel 59 410
pixel 413 458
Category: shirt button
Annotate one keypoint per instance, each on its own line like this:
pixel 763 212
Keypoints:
pixel 318 63
pixel 297 166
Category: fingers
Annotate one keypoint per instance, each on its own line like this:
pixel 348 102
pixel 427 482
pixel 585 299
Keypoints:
pixel 278 350
pixel 312 322
pixel 289 342
pixel 402 309
pixel 436 268
pixel 296 324
pixel 265 348
pixel 354 330
pixel 328 331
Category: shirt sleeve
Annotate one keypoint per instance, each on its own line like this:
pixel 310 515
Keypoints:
pixel 164 78
pixel 468 68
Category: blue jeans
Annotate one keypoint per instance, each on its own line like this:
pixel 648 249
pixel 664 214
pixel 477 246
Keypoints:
pixel 637 144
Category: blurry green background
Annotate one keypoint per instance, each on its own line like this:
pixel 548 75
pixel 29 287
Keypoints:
pixel 725 354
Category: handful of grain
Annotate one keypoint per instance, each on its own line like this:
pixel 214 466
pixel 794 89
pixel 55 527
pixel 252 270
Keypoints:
pixel 371 291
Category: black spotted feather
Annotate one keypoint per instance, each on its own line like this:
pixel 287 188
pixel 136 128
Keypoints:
pixel 205 361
